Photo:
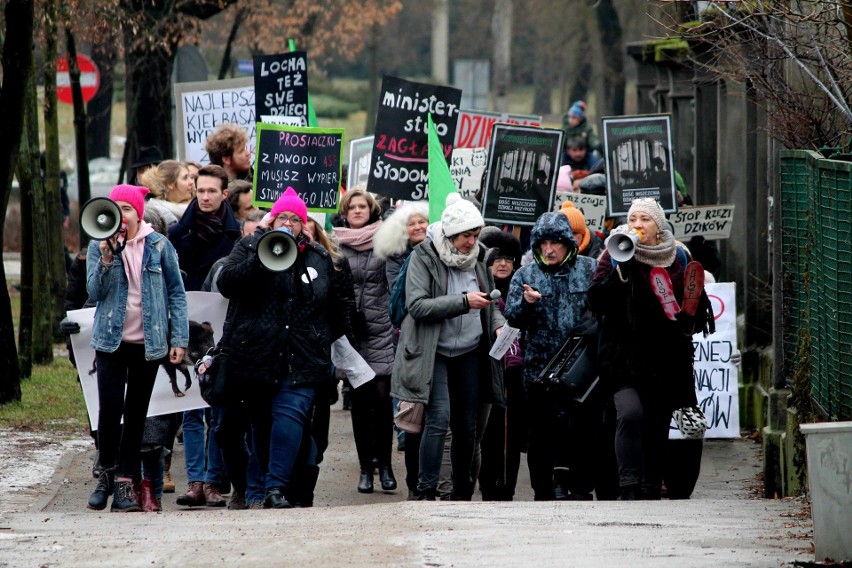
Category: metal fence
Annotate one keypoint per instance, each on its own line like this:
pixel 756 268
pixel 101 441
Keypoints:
pixel 816 240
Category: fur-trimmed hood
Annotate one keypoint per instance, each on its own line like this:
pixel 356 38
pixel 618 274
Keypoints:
pixel 392 237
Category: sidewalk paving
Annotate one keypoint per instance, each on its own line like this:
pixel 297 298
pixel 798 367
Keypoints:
pixel 726 523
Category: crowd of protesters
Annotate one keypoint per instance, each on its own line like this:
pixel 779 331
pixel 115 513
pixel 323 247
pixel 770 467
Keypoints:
pixel 191 228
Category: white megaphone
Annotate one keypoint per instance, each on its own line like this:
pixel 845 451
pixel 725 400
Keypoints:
pixel 622 246
pixel 100 218
pixel 277 249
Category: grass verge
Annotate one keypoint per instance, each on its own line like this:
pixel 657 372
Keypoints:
pixel 51 400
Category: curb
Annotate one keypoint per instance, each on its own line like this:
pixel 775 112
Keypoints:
pixel 55 483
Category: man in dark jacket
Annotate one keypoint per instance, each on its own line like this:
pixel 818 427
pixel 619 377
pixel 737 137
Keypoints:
pixel 547 299
pixel 205 233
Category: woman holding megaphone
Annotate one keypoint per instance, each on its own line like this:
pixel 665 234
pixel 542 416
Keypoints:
pixel 134 268
pixel 651 300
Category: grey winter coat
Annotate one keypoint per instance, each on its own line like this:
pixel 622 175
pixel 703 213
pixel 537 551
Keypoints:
pixel 368 274
pixel 547 323
pixel 428 306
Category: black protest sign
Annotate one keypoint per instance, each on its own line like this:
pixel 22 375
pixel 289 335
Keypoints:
pixel 523 164
pixel 638 153
pixel 281 85
pixel 306 159
pixel 399 167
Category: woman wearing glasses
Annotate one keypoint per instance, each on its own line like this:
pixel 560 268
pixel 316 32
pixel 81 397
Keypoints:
pixel 278 335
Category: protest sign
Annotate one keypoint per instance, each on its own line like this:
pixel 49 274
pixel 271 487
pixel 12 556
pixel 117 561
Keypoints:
pixel 638 154
pixel 474 126
pixel 202 307
pixel 281 84
pixel 288 120
pixel 360 154
pixel 467 167
pixel 202 106
pixel 710 221
pixel 399 167
pixel 306 159
pixel 593 207
pixel 523 164
pixel 715 371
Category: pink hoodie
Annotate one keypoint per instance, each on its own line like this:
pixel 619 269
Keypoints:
pixel 132 255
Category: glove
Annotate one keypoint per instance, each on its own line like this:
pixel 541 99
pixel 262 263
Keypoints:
pixel 68 327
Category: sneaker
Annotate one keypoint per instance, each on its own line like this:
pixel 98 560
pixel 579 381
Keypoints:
pixel 212 496
pixel 661 284
pixel 693 285
pixel 256 505
pixel 124 498
pixel 237 501
pixel 194 496
pixel 104 488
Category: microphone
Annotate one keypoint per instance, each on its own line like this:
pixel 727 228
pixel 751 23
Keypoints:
pixel 495 295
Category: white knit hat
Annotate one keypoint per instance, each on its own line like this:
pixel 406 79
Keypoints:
pixel 460 215
pixel 649 206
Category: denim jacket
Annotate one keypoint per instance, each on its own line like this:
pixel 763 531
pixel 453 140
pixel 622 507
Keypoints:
pixel 163 295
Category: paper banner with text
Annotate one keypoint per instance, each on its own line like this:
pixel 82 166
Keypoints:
pixel 281 84
pixel 202 307
pixel 360 154
pixel 202 106
pixel 467 167
pixel 712 222
pixel 399 166
pixel 306 159
pixel 716 374
pixel 474 126
pixel 593 207
pixel 523 164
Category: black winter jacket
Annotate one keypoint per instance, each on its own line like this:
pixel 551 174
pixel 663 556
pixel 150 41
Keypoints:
pixel 195 255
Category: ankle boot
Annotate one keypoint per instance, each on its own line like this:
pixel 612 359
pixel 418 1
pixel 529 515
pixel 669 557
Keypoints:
pixel 212 496
pixel 168 484
pixel 149 501
pixel 124 498
pixel 427 494
pixel 194 496
pixel 104 488
pixel 365 483
pixel 387 478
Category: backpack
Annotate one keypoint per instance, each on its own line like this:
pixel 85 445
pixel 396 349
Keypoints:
pixel 396 300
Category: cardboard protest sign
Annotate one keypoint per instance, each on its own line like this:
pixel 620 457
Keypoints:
pixel 638 154
pixel 360 154
pixel 399 168
pixel 281 84
pixel 716 374
pixel 474 126
pixel 467 167
pixel 710 221
pixel 202 307
pixel 306 159
pixel 593 207
pixel 523 164
pixel 202 106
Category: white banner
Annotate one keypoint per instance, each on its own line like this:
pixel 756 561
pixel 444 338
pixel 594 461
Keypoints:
pixel 203 307
pixel 709 221
pixel 467 167
pixel 716 375
pixel 593 207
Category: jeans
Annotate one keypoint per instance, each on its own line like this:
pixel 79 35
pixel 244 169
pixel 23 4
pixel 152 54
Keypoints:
pixel 291 408
pixel 453 404
pixel 119 445
pixel 641 432
pixel 201 447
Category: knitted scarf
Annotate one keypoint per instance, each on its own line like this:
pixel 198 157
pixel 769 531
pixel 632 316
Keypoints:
pixel 450 255
pixel 662 254
pixel 358 239
pixel 208 226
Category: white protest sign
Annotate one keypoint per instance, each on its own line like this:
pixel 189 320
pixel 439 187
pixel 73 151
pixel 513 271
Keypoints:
pixel 286 120
pixel 709 221
pixel 467 167
pixel 473 129
pixel 716 375
pixel 202 307
pixel 202 106
pixel 593 207
pixel 360 154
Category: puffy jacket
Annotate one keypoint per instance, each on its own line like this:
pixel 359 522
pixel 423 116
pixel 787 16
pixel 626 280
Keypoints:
pixel 165 321
pixel 547 323
pixel 428 306
pixel 280 325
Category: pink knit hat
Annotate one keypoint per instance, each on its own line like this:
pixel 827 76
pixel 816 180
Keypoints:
pixel 290 201
pixel 132 194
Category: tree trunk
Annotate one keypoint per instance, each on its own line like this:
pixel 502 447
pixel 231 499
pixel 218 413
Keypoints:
pixel 52 199
pixel 83 188
pixel 440 41
pixel 609 32
pixel 17 62
pixel 99 108
pixel 226 56
pixel 372 50
pixel 501 27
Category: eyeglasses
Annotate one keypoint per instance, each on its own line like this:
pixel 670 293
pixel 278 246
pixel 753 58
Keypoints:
pixel 294 220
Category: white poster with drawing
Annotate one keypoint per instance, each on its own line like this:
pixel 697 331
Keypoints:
pixel 593 207
pixel 467 167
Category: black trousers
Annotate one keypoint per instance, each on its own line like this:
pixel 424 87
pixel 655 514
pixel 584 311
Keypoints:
pixel 504 440
pixel 372 422
pixel 641 433
pixel 124 368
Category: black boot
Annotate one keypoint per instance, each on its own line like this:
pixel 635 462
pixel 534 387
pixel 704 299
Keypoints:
pixel 124 498
pixel 365 483
pixel 301 493
pixel 387 478
pixel 427 494
pixel 104 488
pixel 274 499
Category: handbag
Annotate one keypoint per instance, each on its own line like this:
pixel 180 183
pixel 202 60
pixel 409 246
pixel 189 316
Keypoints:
pixel 211 376
pixel 691 422
pixel 409 417
pixel 572 370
